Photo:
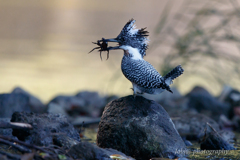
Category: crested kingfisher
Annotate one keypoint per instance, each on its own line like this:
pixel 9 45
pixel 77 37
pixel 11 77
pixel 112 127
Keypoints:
pixel 144 77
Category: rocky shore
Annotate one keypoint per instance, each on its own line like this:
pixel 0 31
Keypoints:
pixel 128 127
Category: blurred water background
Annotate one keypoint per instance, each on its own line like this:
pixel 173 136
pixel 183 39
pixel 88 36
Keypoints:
pixel 44 45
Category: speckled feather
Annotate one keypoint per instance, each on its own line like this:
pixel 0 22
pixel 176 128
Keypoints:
pixel 141 73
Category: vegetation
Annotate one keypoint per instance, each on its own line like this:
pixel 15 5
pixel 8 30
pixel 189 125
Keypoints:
pixel 203 37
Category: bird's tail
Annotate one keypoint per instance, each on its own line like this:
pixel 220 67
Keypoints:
pixel 176 72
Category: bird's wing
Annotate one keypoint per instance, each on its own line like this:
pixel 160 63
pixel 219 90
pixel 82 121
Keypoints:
pixel 142 73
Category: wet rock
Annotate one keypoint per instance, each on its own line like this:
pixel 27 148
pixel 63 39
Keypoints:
pixel 35 104
pixel 140 128
pixel 214 141
pixel 192 126
pixel 10 103
pixel 88 151
pixel 45 126
pixel 201 100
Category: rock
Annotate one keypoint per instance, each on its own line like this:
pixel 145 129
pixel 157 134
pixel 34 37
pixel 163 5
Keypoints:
pixel 8 131
pixel 35 104
pixel 55 108
pixel 93 101
pixel 232 97
pixel 139 128
pixel 177 107
pixel 201 100
pixel 110 98
pixel 214 141
pixel 167 96
pixel 83 120
pixel 10 103
pixel 237 111
pixel 70 104
pixel 236 121
pixel 3 157
pixel 187 143
pixel 225 123
pixel 84 104
pixel 228 136
pixel 64 141
pixel 45 127
pixel 88 151
pixel 192 126
pixel 183 158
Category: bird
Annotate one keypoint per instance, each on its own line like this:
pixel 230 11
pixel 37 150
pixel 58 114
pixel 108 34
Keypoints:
pixel 143 76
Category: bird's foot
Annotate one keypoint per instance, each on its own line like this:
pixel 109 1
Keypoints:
pixel 137 93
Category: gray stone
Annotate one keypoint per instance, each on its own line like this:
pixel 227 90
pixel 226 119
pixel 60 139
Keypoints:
pixel 201 100
pixel 228 136
pixel 139 128
pixel 84 103
pixel 191 125
pixel 45 128
pixel 35 104
pixel 10 103
pixel 7 131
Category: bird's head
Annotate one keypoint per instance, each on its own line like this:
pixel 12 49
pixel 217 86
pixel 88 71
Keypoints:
pixel 131 39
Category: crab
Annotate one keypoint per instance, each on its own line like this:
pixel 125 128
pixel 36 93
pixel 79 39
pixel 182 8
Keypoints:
pixel 103 46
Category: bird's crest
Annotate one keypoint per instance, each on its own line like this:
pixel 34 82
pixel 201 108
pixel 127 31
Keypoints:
pixel 136 38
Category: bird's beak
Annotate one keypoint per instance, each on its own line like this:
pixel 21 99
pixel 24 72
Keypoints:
pixel 110 40
pixel 113 48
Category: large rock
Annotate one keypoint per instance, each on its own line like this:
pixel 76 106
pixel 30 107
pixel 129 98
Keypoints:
pixel 35 104
pixel 192 125
pixel 47 129
pixel 88 151
pixel 10 103
pixel 201 100
pixel 139 128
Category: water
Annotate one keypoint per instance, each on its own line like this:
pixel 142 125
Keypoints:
pixel 44 45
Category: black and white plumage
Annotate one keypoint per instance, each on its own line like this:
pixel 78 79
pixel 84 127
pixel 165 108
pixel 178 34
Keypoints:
pixel 142 74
